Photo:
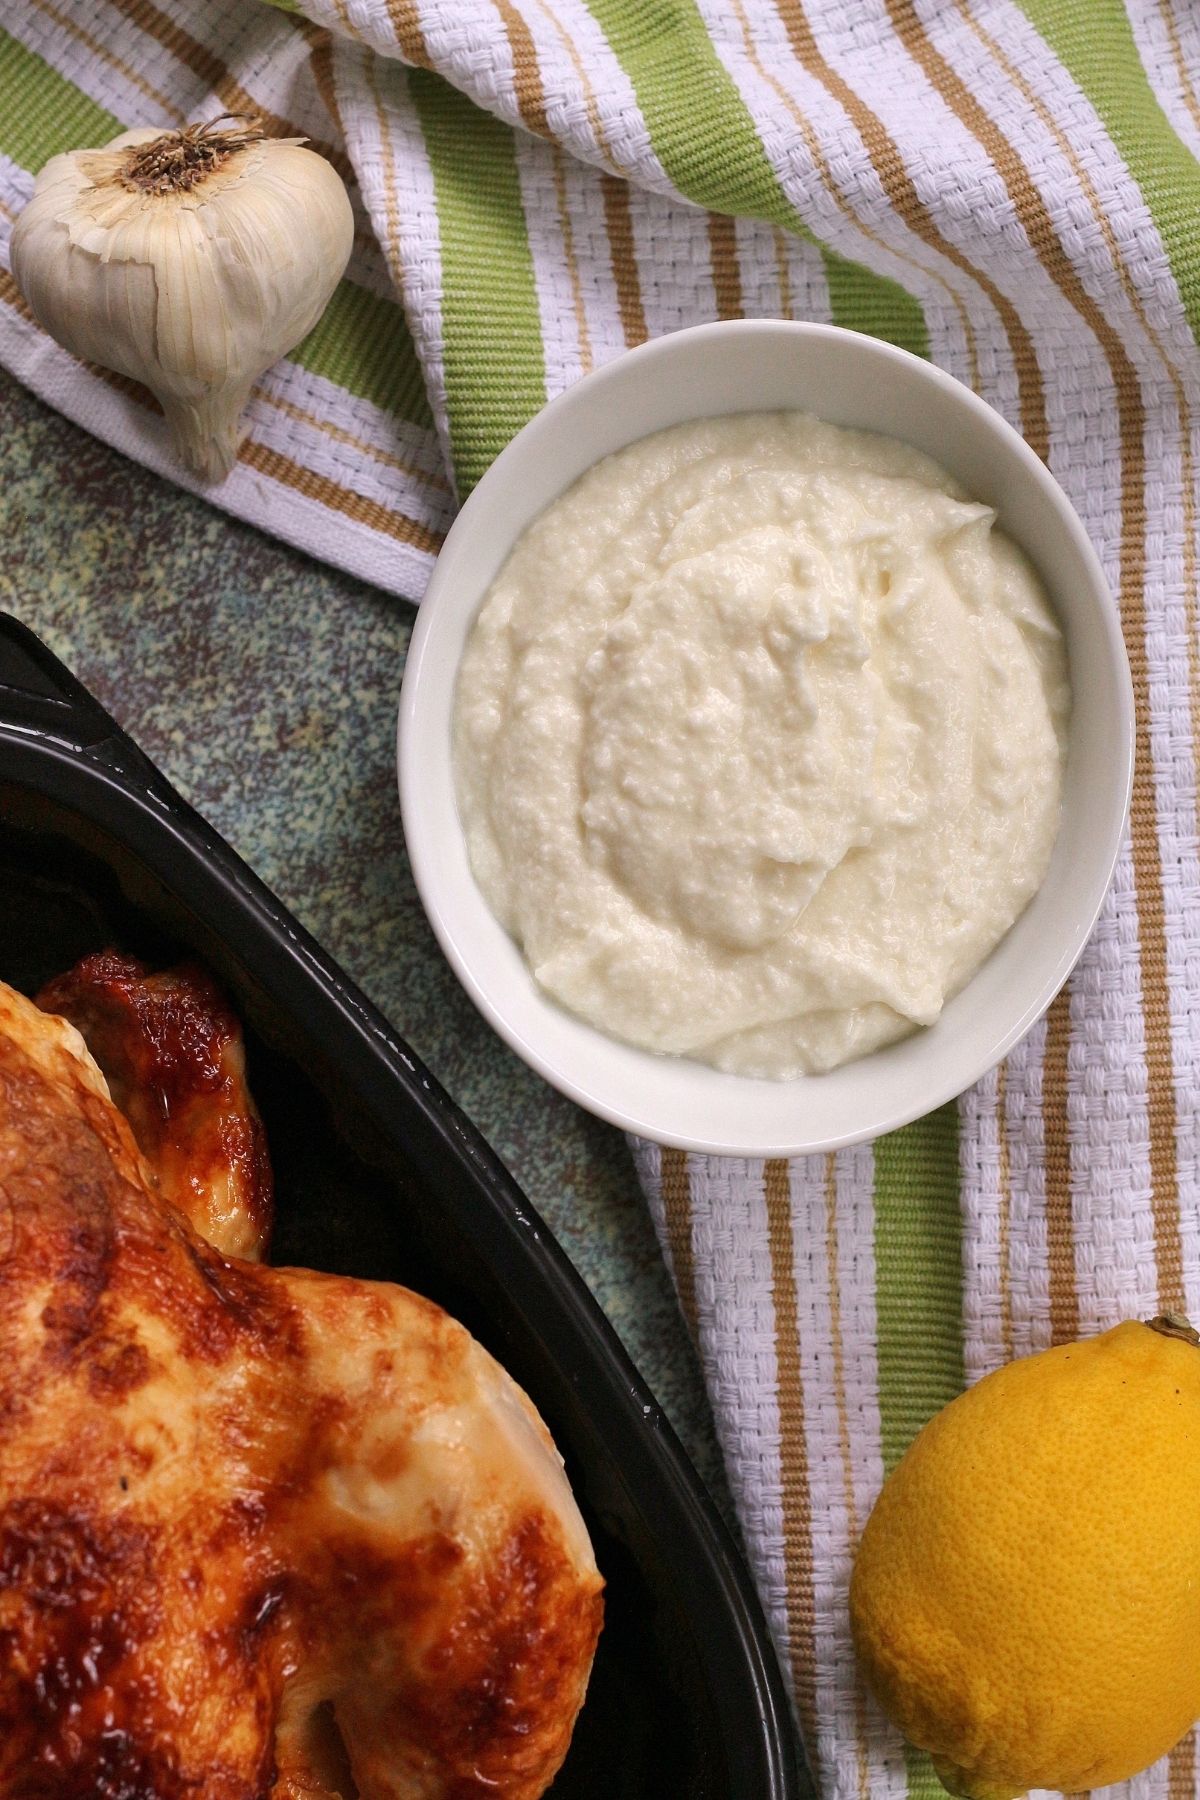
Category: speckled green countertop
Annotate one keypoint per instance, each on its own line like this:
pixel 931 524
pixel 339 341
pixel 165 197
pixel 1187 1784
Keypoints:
pixel 265 686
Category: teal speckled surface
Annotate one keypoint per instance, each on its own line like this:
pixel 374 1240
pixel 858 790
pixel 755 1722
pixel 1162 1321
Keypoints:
pixel 265 686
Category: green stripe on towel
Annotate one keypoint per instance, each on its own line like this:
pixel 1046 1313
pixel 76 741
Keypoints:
pixel 491 326
pixel 362 343
pixel 918 1301
pixel 690 102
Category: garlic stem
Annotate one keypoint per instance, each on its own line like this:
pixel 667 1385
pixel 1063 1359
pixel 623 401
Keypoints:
pixel 175 162
pixel 207 432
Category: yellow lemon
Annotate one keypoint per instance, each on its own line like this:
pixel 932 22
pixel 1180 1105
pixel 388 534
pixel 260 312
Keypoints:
pixel 1026 1596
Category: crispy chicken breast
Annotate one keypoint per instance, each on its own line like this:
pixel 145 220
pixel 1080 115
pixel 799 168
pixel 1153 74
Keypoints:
pixel 263 1532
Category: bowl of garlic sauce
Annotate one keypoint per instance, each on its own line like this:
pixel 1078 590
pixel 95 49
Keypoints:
pixel 766 739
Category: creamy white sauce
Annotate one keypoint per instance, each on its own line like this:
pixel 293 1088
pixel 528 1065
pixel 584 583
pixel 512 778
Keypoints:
pixel 759 741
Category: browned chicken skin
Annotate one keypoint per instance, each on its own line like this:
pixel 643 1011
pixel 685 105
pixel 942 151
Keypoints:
pixel 170 1048
pixel 263 1533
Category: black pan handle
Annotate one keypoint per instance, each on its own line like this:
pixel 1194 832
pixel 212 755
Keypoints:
pixel 36 691
pixel 39 696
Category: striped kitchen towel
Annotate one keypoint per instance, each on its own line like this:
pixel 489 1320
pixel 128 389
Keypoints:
pixel 1007 186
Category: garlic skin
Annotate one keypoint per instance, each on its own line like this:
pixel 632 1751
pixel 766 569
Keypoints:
pixel 191 268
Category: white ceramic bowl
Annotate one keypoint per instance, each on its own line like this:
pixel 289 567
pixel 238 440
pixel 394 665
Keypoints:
pixel 851 380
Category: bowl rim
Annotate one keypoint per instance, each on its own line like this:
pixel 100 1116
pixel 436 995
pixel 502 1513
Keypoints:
pixel 586 393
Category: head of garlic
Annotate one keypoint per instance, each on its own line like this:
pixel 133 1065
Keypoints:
pixel 190 260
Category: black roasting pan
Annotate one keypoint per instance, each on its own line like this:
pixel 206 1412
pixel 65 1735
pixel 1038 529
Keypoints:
pixel 378 1174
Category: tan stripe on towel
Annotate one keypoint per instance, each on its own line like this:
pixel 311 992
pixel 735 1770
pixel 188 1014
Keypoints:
pixel 585 81
pixel 785 274
pixel 618 220
pixel 843 1414
pixel 391 207
pixel 1056 1158
pixel 677 1211
pixel 405 21
pixel 568 241
pixel 527 77
pixel 793 1451
pixel 405 465
pixel 371 513
pixel 1007 1340
pixel 320 61
pixel 726 270
pixel 1181 1769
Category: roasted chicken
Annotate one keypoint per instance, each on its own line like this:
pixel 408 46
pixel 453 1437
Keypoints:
pixel 170 1047
pixel 263 1532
